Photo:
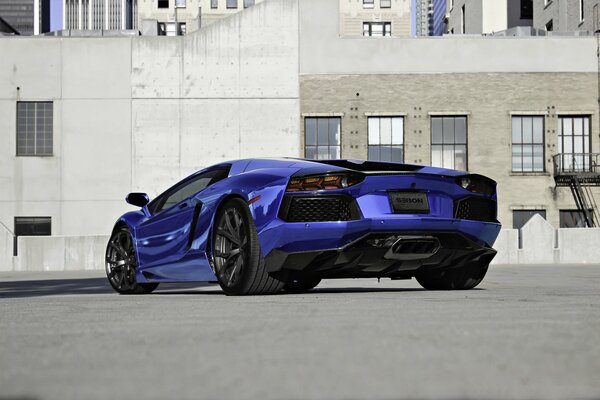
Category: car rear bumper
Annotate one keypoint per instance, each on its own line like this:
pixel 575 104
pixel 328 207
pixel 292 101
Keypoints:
pixel 342 249
pixel 383 254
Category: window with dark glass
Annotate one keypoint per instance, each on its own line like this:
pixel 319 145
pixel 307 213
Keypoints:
pixel 33 226
pixel 386 139
pixel 232 4
pixel 520 217
pixel 186 189
pixel 574 143
pixel 549 26
pixel 449 142
pixel 527 144
pixel 377 29
pixel 526 9
pixel 573 218
pixel 34 128
pixel 322 137
pixel 163 3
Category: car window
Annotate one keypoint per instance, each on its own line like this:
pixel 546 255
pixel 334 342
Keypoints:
pixel 186 189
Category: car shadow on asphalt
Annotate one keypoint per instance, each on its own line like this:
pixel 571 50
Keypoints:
pixel 83 287
pixel 95 286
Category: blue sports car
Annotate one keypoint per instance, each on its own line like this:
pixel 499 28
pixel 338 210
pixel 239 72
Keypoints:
pixel 260 226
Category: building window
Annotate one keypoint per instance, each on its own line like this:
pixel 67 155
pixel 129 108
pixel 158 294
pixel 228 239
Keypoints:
pixel 163 3
pixel 462 19
pixel 248 3
pixel 549 26
pixel 377 29
pixel 520 217
pixel 449 142
pixel 322 138
pixel 33 226
pixel 34 128
pixel 574 143
pixel 214 3
pixel 573 218
pixel 526 9
pixel 180 3
pixel 527 144
pixel 368 3
pixel 385 4
pixel 232 4
pixel 386 139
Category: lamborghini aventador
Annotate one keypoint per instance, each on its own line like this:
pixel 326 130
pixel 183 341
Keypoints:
pixel 262 226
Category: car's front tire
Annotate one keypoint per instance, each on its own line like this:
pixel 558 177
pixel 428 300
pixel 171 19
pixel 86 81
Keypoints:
pixel 237 259
pixel 461 278
pixel 121 265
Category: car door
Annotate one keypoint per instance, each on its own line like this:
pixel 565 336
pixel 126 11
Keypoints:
pixel 164 237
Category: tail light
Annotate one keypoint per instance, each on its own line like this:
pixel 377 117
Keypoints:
pixel 323 182
pixel 477 184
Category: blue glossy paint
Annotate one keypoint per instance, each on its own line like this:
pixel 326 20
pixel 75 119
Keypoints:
pixel 162 241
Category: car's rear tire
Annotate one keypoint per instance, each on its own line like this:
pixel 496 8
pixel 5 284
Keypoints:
pixel 301 285
pixel 121 265
pixel 237 259
pixel 462 278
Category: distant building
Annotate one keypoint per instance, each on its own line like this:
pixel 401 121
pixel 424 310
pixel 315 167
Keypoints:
pixel 488 16
pixel 100 14
pixel 566 15
pixel 28 17
pixel 375 18
pixel 429 17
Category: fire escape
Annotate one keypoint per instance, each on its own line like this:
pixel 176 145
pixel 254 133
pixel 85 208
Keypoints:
pixel 580 172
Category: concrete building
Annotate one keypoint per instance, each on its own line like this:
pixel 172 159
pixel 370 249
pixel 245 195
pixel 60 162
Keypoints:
pixel 105 116
pixel 488 16
pixel 566 15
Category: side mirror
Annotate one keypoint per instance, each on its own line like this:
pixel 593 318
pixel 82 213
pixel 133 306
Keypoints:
pixel 137 199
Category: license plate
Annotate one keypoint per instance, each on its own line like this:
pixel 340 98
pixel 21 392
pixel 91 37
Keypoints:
pixel 409 202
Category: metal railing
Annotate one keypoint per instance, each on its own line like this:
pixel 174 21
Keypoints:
pixel 574 163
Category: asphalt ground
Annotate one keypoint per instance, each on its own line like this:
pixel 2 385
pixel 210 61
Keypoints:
pixel 527 332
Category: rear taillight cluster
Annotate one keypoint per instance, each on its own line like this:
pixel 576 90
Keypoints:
pixel 323 182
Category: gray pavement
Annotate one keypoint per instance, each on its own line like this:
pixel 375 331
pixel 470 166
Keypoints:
pixel 527 332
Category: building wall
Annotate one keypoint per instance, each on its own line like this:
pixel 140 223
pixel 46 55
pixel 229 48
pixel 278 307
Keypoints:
pixel 210 14
pixel 19 14
pixel 565 15
pixel 488 100
pixel 148 9
pixel 352 14
pixel 140 113
pixel 514 14
pixel 473 16
pixel 486 16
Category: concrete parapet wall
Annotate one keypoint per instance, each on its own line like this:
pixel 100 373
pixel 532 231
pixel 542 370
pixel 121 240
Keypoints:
pixel 537 243
pixel 60 253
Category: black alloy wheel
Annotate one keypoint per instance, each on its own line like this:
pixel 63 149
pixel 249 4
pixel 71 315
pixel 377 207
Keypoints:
pixel 237 260
pixel 121 265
